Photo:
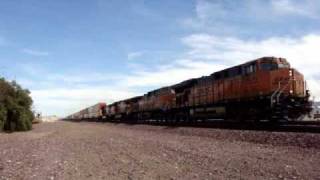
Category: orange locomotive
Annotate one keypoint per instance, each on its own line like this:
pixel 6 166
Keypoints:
pixel 263 89
pixel 266 88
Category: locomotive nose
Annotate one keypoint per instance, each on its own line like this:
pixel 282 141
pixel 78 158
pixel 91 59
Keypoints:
pixel 298 84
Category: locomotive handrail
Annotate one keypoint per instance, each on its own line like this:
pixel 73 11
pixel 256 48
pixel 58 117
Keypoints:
pixel 274 93
pixel 279 91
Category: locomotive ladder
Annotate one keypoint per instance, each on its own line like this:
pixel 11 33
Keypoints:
pixel 275 100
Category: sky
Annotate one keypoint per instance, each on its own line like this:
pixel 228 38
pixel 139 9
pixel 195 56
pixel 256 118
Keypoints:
pixel 73 54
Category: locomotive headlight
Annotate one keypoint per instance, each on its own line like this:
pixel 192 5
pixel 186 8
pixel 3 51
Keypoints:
pixel 290 73
pixel 291 91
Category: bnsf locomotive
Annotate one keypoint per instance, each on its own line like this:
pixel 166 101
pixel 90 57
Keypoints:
pixel 263 89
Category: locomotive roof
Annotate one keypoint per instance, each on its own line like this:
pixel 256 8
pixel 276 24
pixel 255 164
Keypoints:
pixel 184 83
pixel 134 98
pixel 214 75
pixel 270 59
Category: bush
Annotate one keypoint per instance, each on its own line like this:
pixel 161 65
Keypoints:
pixel 3 116
pixel 15 107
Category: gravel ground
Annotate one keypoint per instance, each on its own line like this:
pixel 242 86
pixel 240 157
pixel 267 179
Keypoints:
pixel 68 150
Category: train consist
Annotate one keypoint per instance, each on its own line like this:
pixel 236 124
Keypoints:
pixel 263 89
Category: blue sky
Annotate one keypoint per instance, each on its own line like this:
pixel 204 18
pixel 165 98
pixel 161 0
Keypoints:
pixel 74 53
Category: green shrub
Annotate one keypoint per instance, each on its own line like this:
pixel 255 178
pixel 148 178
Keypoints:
pixel 15 107
pixel 3 116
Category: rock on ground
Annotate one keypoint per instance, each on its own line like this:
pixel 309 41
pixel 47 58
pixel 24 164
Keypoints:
pixel 69 150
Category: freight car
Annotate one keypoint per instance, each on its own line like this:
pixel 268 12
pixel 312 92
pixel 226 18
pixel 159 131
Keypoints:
pixel 263 89
pixel 123 110
pixel 95 112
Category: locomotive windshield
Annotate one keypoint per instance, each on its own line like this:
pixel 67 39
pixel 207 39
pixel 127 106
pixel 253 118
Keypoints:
pixel 273 66
pixel 268 66
pixel 272 63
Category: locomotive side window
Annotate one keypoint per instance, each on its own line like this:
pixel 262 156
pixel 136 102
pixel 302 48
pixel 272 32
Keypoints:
pixel 250 69
pixel 217 76
pixel 235 71
pixel 225 74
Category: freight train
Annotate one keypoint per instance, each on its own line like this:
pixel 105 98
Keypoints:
pixel 263 89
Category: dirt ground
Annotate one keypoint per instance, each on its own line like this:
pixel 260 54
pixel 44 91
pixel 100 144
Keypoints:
pixel 69 150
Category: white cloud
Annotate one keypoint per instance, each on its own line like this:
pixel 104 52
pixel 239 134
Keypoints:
pixel 241 17
pixel 308 8
pixel 34 52
pixel 134 55
pixel 205 9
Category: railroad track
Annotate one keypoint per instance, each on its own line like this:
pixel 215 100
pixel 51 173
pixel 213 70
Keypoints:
pixel 300 126
pixel 289 126
pixel 312 123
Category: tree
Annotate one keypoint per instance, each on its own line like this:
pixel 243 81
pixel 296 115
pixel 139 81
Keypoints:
pixel 3 116
pixel 15 107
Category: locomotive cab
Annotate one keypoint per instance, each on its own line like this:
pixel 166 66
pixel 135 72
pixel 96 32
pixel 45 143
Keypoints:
pixel 287 88
pixel 274 82
pixel 282 77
